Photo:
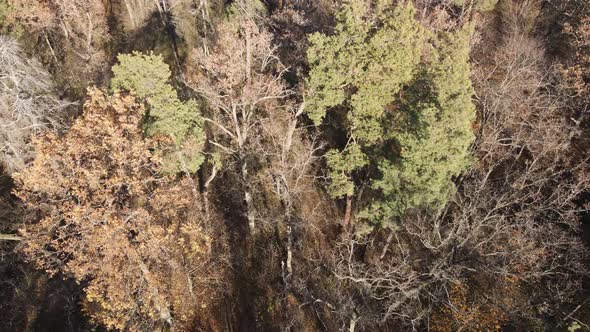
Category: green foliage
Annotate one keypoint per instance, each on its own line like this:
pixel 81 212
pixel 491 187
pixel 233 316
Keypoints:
pixel 362 68
pixel 436 133
pixel 248 8
pixel 147 77
pixel 8 26
pixel 342 164
pixel 574 326
pixel 412 118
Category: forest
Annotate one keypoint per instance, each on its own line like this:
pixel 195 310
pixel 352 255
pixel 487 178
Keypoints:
pixel 294 165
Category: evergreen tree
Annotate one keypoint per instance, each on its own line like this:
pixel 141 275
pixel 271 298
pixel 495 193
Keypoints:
pixel 362 67
pixel 434 133
pixel 359 70
pixel 342 165
pixel 178 123
pixel 408 118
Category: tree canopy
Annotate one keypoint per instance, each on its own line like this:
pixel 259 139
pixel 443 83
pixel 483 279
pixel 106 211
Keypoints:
pixel 407 113
pixel 109 220
pixel 147 76
pixel 281 165
pixel 434 132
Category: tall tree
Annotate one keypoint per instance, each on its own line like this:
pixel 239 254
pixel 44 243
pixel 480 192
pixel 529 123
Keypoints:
pixel 407 101
pixel 359 70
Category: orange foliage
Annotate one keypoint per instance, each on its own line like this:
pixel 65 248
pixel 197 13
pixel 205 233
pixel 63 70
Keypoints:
pixel 134 238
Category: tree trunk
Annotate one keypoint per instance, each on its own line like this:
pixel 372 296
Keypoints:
pixel 248 198
pixel 389 238
pixel 206 190
pixel 348 212
pixel 353 321
pixel 10 237
pixel 130 12
pixel 248 56
pixel 89 37
pixel 289 250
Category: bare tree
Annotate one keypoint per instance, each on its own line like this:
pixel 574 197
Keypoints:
pixel 76 33
pixel 241 80
pixel 28 104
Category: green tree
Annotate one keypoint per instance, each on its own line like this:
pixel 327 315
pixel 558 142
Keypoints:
pixel 407 115
pixel 434 132
pixel 342 164
pixel 360 70
pixel 178 123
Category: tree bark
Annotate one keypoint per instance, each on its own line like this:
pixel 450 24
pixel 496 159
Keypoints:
pixel 248 56
pixel 89 37
pixel 206 190
pixel 130 12
pixel 10 237
pixel 348 212
pixel 389 238
pixel 353 321
pixel 289 250
pixel 248 198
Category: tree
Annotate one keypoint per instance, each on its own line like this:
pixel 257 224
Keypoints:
pixel 108 219
pixel 434 133
pixel 359 70
pixel 241 80
pixel 413 124
pixel 372 63
pixel 179 123
pixel 195 20
pixel 28 104
pixel 76 33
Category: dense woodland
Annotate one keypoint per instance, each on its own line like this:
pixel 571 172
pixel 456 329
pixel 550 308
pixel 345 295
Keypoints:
pixel 294 165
